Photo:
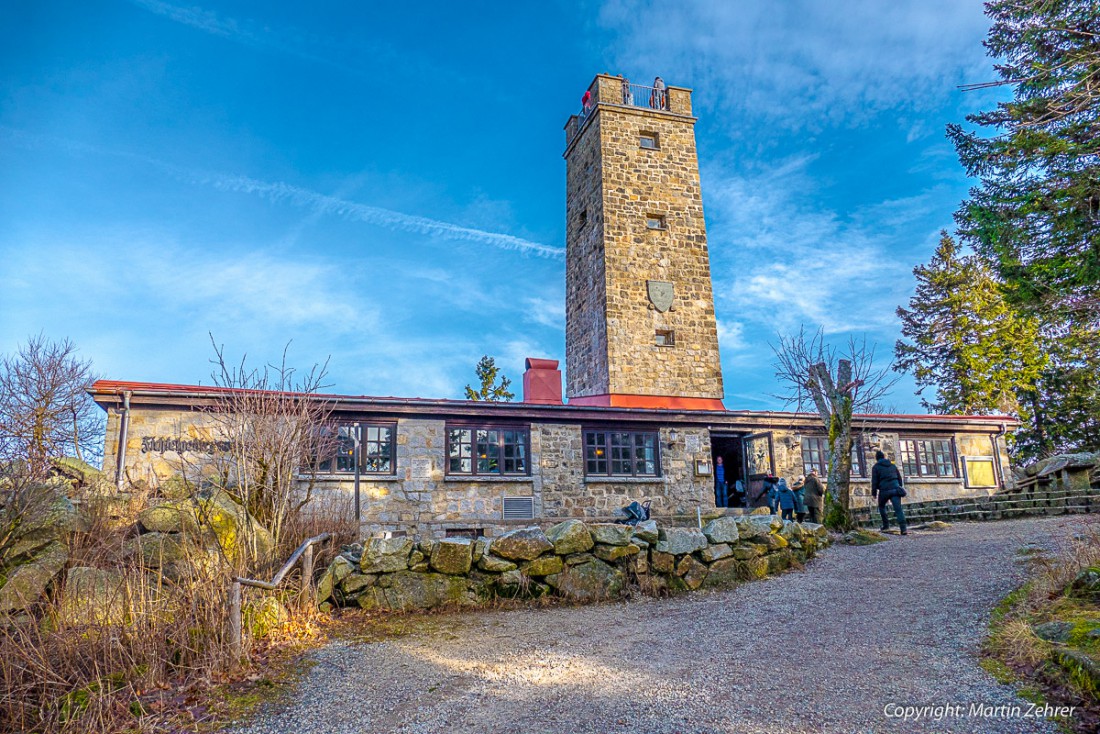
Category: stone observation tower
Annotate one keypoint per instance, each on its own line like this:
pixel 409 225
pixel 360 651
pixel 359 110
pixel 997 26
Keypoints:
pixel 639 325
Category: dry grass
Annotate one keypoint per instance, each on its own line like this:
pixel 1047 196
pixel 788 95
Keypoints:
pixel 155 666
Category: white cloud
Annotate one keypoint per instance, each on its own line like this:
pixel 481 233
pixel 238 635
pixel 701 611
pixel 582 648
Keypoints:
pixel 780 261
pixel 801 63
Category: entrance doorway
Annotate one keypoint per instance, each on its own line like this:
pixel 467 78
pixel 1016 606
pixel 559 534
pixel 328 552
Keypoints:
pixel 748 458
pixel 730 449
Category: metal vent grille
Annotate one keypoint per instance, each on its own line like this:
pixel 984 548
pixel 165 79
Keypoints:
pixel 518 508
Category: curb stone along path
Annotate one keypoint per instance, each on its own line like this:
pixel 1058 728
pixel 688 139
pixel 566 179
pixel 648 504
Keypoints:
pixel 900 622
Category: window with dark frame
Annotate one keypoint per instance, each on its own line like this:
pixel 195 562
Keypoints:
pixel 488 451
pixel 621 454
pixel 665 338
pixel 376 450
pixel 928 457
pixel 649 141
pixel 815 455
pixel 655 221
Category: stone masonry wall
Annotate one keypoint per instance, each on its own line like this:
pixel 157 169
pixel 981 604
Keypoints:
pixel 638 183
pixel 585 280
pixel 572 560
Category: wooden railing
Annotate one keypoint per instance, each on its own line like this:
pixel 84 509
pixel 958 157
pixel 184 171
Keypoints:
pixel 303 552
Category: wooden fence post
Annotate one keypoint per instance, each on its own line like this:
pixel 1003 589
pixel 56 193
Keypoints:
pixel 235 619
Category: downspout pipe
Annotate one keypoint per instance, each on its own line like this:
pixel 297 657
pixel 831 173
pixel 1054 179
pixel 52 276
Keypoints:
pixel 123 435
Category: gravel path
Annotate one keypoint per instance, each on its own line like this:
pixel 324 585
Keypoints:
pixel 824 650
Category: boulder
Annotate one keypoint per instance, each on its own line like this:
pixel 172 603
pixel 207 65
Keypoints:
pixel 780 560
pixel 647 531
pixel 525 544
pixel 571 536
pixel 385 555
pixel 575 558
pixel 588 581
pixel 611 533
pixel 692 572
pixel 724 572
pixel 678 541
pixel 752 569
pixel 791 531
pixel 492 564
pixel 217 518
pixel 511 583
pixel 747 551
pixel 356 582
pixel 761 511
pixel 755 526
pixel 407 590
pixel 815 529
pixel 173 554
pixel 27 582
pixel 721 530
pixel 662 562
pixel 715 552
pixel 543 566
pixel 453 556
pixel 94 596
pixel 1087 583
pixel 481 547
pixel 1054 631
pixel 773 542
pixel 611 553
pixel 265 615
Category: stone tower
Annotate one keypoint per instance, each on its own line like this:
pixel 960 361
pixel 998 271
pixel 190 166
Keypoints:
pixel 639 320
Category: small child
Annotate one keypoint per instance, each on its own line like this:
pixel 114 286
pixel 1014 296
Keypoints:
pixel 786 498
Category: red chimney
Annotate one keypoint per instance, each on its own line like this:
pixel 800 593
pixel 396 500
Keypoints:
pixel 542 382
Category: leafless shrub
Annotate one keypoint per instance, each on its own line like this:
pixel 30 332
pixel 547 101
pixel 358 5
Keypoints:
pixel 274 427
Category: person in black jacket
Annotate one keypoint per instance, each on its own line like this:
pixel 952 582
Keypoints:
pixel 886 485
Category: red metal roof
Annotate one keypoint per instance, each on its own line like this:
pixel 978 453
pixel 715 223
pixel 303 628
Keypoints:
pixel 120 386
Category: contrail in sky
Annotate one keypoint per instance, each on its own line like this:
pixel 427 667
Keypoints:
pixel 279 192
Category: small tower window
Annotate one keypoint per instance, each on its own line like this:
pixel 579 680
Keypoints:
pixel 655 221
pixel 650 141
pixel 666 338
pixel 584 218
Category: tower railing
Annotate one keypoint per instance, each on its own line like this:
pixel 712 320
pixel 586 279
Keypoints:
pixel 629 95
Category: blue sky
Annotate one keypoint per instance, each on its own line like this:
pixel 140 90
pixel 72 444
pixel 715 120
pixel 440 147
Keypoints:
pixel 382 183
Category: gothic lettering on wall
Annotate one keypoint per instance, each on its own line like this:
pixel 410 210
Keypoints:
pixel 162 445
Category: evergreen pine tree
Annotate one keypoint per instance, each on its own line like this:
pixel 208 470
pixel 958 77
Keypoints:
pixel 1036 213
pixel 964 339
pixel 489 391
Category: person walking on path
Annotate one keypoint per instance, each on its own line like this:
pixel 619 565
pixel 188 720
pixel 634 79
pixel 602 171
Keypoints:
pixel 886 484
pixel 786 499
pixel 814 492
pixel 799 490
pixel 721 492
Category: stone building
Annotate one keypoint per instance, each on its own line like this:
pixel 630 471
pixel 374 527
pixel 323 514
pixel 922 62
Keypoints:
pixel 644 418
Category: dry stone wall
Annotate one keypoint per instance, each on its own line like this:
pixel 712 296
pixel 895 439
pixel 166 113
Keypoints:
pixel 572 560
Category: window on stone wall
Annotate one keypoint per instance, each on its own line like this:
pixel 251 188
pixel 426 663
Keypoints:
pixel 665 338
pixel 584 218
pixel 487 451
pixel 649 141
pixel 815 455
pixel 376 450
pixel 621 454
pixel 655 221
pixel 927 457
